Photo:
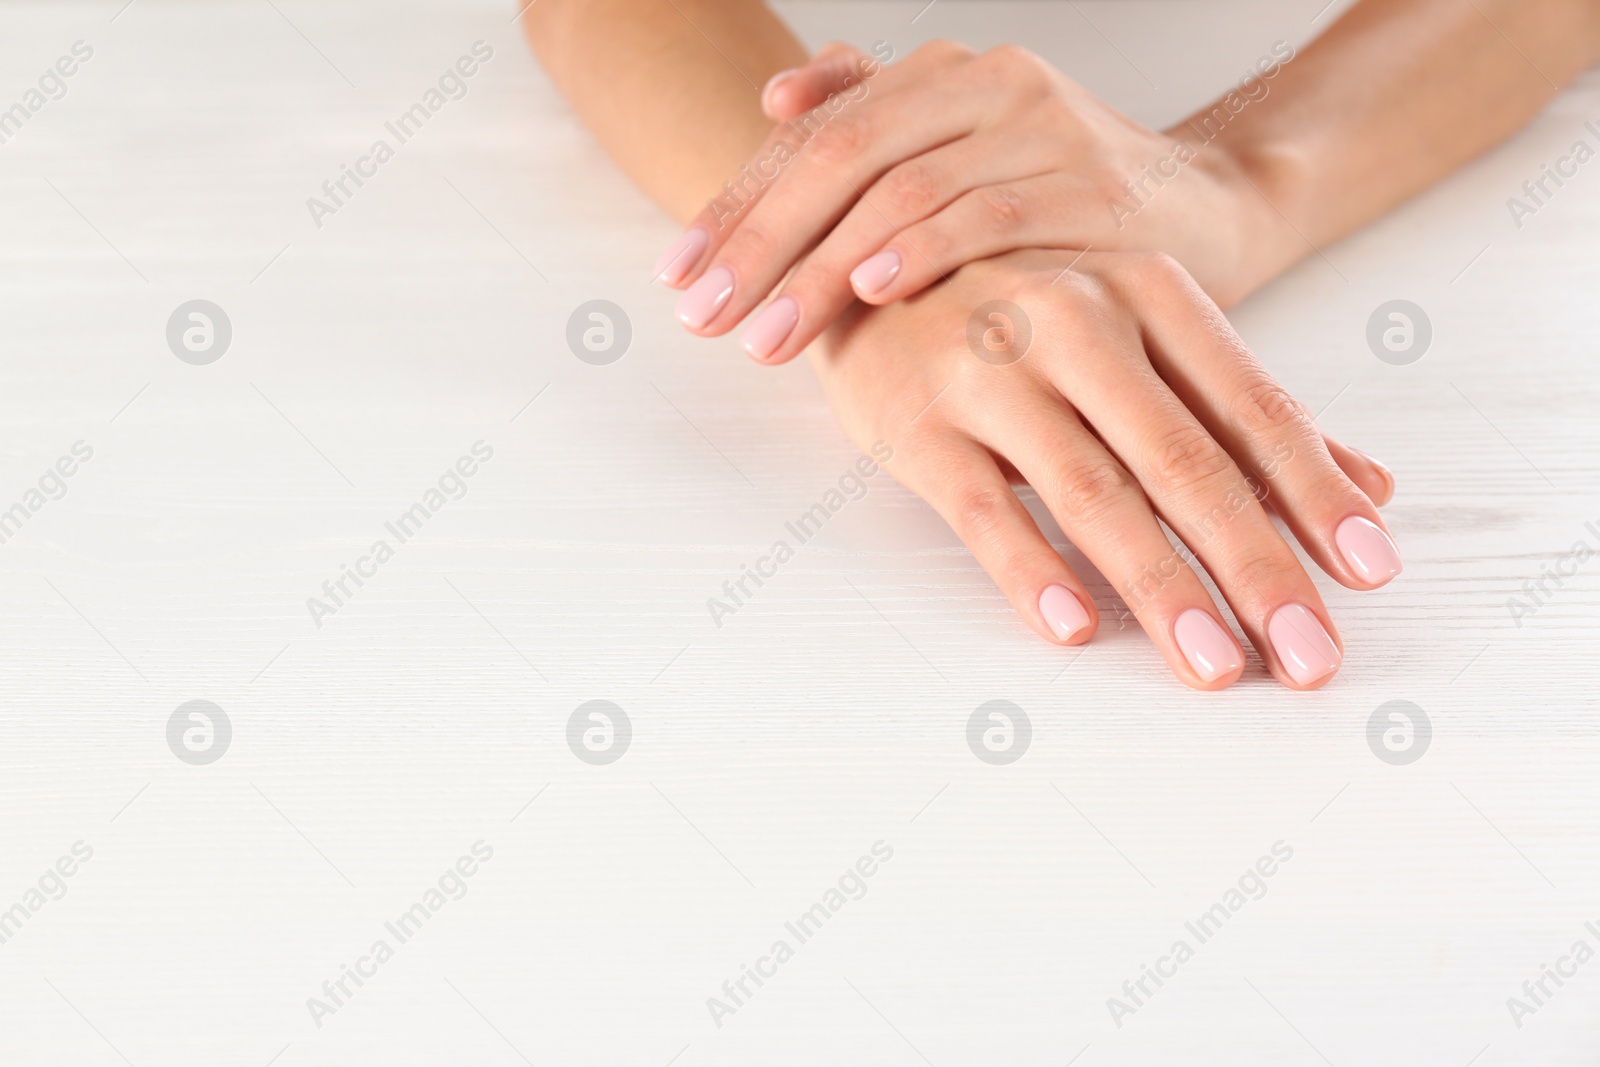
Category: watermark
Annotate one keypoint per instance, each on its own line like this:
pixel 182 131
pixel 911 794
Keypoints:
pixel 1207 528
pixel 999 332
pixel 852 485
pixel 1537 992
pixel 753 177
pixel 51 486
pixel 1537 591
pixel 52 86
pixel 851 885
pixel 1399 332
pixel 1251 885
pixel 1252 88
pixel 51 885
pixel 337 992
pixel 999 732
pixel 599 732
pixel 338 191
pixel 199 332
pixel 1399 732
pixel 199 732
pixel 1536 192
pixel 599 332
pixel 452 485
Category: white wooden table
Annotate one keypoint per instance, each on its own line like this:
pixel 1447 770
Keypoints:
pixel 430 711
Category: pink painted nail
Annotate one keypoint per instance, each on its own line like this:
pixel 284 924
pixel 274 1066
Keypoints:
pixel 769 329
pixel 1210 649
pixel 1368 550
pixel 1063 612
pixel 772 84
pixel 705 298
pixel 874 274
pixel 1305 648
pixel 676 262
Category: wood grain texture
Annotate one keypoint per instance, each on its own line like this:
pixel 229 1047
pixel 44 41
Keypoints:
pixel 771 752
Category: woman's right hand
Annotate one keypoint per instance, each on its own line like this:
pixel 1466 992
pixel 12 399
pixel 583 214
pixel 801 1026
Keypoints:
pixel 1115 388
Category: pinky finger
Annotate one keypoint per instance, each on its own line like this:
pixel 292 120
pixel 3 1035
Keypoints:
pixel 1370 476
pixel 965 486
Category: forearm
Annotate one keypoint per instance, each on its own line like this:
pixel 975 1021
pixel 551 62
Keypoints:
pixel 1397 94
pixel 670 87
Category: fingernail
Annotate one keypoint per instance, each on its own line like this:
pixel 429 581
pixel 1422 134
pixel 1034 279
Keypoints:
pixel 1063 612
pixel 676 262
pixel 1368 550
pixel 769 329
pixel 874 274
pixel 1210 649
pixel 705 298
pixel 772 84
pixel 1305 648
pixel 1388 475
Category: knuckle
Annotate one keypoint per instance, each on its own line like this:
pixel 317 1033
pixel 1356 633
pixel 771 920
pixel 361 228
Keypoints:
pixel 1267 574
pixel 1186 457
pixel 841 141
pixel 1158 270
pixel 749 244
pixel 981 512
pixel 1090 490
pixel 1014 64
pixel 945 50
pixel 1002 208
pixel 1267 408
pixel 1010 55
pixel 912 188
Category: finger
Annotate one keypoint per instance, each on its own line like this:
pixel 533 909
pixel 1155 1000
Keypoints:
pixel 834 274
pixel 1376 480
pixel 965 486
pixel 806 188
pixel 1193 483
pixel 690 255
pixel 811 194
pixel 1101 508
pixel 985 220
pixel 1268 431
pixel 790 93
pixel 685 259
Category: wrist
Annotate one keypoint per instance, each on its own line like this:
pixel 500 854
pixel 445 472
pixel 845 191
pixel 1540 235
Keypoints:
pixel 1258 188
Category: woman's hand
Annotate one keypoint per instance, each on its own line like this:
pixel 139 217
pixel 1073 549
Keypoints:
pixel 1111 384
pixel 911 171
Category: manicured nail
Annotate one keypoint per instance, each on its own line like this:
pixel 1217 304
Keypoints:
pixel 874 274
pixel 769 329
pixel 1063 612
pixel 1305 648
pixel 772 84
pixel 1367 549
pixel 676 262
pixel 705 298
pixel 1210 649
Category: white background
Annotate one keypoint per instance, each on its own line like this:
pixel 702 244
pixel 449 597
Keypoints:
pixel 830 713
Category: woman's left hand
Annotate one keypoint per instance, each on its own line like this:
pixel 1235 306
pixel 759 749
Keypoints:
pixel 909 172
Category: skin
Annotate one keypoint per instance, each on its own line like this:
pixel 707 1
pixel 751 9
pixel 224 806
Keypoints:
pixel 1135 399
pixel 1119 334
